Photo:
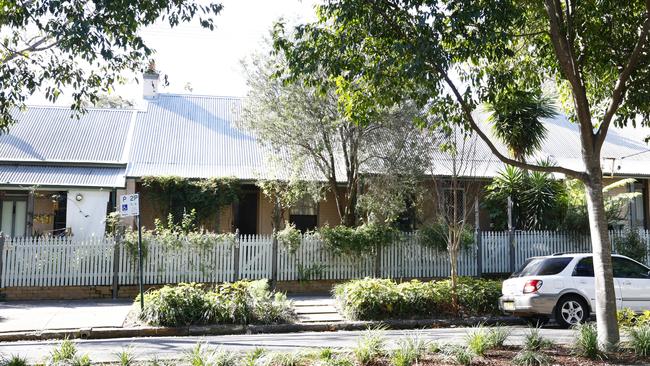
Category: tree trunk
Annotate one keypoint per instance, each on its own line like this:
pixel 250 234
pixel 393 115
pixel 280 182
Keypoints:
pixel 608 336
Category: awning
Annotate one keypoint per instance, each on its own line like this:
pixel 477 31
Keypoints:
pixel 62 176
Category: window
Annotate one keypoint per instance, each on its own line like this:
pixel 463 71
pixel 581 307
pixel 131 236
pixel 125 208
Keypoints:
pixel 584 268
pixel 544 266
pixel 625 268
pixel 457 195
pixel 13 217
pixel 304 214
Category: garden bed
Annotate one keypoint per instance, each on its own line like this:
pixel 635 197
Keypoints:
pixel 185 304
pixel 381 299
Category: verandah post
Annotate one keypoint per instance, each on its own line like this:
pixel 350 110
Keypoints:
pixel 2 252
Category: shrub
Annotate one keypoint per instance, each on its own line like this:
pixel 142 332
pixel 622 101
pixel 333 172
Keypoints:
pixel 639 340
pixel 459 355
pixel 362 240
pixel 498 336
pixel 251 358
pixel 183 304
pixel 369 347
pixel 435 236
pixel 478 341
pixel 200 355
pixel 535 342
pixel 289 237
pixel 376 299
pixel 586 342
pixel 528 357
pixel 126 357
pixel 409 351
pixel 241 302
pixel 13 360
pixel 286 359
pixel 630 244
pixel 626 318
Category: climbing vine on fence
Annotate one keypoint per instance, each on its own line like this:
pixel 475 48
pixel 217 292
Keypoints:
pixel 175 236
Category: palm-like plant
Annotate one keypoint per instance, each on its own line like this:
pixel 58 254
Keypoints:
pixel 516 120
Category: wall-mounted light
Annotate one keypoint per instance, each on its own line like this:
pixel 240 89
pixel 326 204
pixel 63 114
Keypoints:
pixel 79 197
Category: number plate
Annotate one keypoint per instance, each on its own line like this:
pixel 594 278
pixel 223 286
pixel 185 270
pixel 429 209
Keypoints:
pixel 509 306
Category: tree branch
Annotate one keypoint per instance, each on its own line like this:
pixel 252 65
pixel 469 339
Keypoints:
pixel 468 115
pixel 467 111
pixel 621 84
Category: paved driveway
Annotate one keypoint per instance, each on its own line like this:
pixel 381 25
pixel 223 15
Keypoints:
pixel 104 350
pixel 42 315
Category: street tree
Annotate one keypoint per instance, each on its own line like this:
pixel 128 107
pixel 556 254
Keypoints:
pixel 84 46
pixel 462 53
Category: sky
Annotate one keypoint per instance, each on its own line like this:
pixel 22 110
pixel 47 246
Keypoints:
pixel 210 61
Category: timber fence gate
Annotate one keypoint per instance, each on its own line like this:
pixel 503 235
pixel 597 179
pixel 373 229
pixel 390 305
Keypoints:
pixel 43 262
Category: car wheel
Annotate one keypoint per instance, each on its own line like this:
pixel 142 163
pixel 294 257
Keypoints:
pixel 570 311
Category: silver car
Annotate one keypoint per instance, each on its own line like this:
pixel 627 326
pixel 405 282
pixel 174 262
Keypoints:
pixel 561 286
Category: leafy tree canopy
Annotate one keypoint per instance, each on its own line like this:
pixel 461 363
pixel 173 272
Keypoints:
pixel 85 45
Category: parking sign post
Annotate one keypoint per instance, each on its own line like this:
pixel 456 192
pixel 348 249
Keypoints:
pixel 130 206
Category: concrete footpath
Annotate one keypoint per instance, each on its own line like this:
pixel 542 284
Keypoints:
pixel 38 316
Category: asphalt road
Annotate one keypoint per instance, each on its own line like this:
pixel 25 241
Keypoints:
pixel 172 347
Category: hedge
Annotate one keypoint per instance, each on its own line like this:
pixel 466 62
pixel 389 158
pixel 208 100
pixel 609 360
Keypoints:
pixel 241 302
pixel 376 299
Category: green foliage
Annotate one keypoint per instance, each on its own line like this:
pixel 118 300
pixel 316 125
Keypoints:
pixel 639 340
pixel 176 195
pixel 632 245
pixel 533 341
pixel 362 240
pixel 628 318
pixel 289 237
pixel 126 357
pixel 516 118
pixel 370 347
pixel 482 339
pixel 459 355
pixel 539 200
pixel 528 357
pixel 435 236
pixel 409 351
pixel 65 354
pixel 478 341
pixel 287 359
pixel 375 299
pixel 174 236
pixel 13 360
pixel 586 342
pixel 252 357
pixel 241 302
pixel 576 217
pixel 42 51
pixel 66 350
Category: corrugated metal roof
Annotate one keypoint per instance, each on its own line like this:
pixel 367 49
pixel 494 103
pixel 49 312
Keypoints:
pixel 61 176
pixel 53 134
pixel 193 136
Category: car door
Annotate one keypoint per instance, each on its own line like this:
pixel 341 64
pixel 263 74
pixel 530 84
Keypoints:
pixel 634 282
pixel 583 281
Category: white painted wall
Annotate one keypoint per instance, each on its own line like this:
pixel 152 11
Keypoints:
pixel 86 217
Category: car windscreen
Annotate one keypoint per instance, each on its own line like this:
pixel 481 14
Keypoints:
pixel 543 266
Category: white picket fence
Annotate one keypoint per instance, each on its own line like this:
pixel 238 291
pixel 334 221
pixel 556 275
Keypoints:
pixel 29 262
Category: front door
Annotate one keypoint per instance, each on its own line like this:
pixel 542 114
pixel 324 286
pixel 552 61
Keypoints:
pixel 13 217
pixel 634 282
pixel 246 213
